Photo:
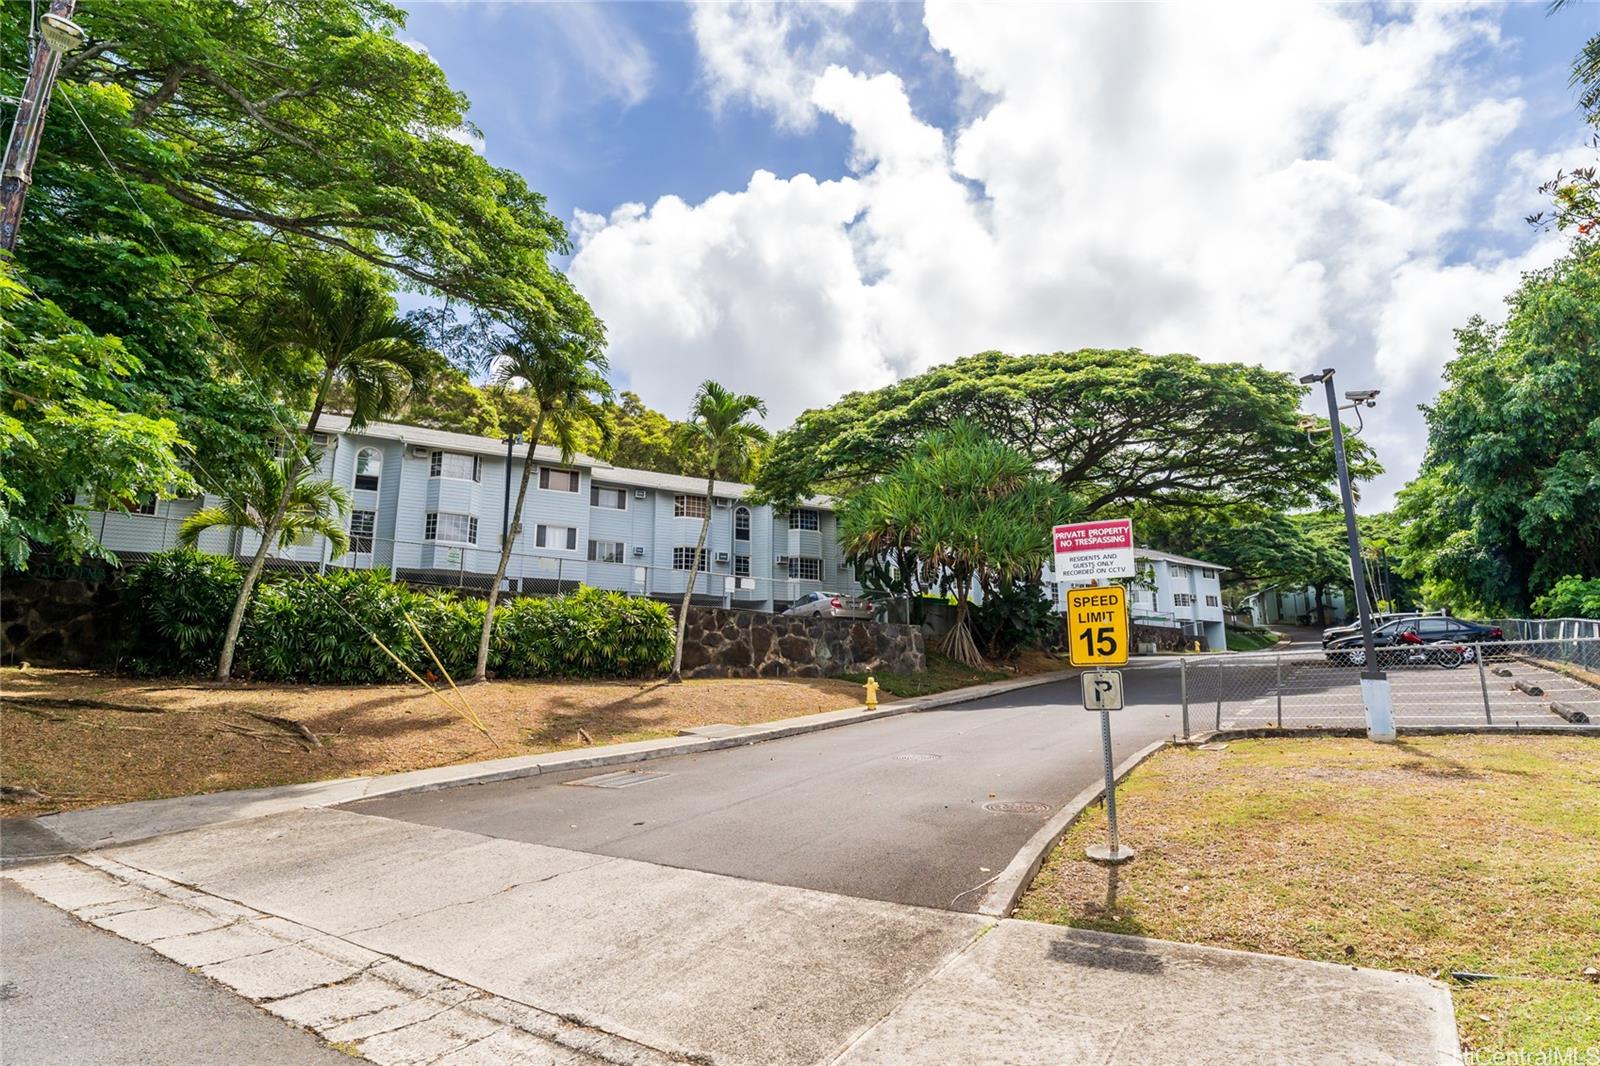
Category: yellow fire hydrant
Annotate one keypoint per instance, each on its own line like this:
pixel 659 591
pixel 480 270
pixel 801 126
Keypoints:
pixel 872 693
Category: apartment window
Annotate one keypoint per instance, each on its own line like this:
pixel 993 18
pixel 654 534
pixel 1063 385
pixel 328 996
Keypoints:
pixel 454 528
pixel 454 464
pixel 369 465
pixel 558 480
pixel 741 566
pixel 683 558
pixel 615 499
pixel 684 506
pixel 741 524
pixel 1212 601
pixel 805 569
pixel 145 505
pixel 1182 599
pixel 1209 575
pixel 362 524
pixel 1179 571
pixel 605 551
pixel 802 518
pixel 556 537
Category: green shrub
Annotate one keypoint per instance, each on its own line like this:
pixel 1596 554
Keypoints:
pixel 319 628
pixel 175 610
pixel 1571 597
pixel 1012 618
pixel 588 633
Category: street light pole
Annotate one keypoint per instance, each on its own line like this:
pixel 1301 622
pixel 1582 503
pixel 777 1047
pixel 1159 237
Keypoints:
pixel 57 35
pixel 505 510
pixel 1375 695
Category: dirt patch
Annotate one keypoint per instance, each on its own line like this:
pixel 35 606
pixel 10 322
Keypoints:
pixel 74 738
pixel 1434 855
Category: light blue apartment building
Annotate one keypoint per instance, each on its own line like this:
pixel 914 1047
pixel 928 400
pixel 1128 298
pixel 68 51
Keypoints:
pixel 429 505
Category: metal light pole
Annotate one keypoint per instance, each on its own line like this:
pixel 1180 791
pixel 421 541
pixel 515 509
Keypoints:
pixel 1375 695
pixel 505 509
pixel 57 35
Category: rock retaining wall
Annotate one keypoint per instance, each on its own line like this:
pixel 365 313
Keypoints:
pixel 733 643
pixel 60 614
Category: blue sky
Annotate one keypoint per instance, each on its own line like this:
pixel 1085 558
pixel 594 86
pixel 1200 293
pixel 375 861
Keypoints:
pixel 1295 186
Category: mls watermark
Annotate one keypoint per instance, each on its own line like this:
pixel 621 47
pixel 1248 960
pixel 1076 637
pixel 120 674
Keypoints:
pixel 1551 1056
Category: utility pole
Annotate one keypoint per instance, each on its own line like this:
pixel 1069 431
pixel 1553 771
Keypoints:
pixel 55 36
pixel 1375 696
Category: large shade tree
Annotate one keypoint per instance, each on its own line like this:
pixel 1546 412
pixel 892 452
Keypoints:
pixel 1508 498
pixel 326 329
pixel 961 510
pixel 719 430
pixel 564 393
pixel 1110 427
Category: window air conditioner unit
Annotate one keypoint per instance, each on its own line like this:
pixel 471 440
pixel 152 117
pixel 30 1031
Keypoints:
pixel 640 494
pixel 722 557
pixel 638 551
pixel 720 501
pixel 419 452
pixel 781 560
pixel 321 439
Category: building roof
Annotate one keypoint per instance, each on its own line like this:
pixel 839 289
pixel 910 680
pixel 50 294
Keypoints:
pixel 600 470
pixel 1181 560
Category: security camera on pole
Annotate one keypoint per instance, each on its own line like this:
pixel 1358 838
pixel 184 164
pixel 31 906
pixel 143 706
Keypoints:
pixel 1375 695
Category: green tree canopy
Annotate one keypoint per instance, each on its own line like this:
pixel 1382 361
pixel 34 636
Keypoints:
pixel 1508 498
pixel 1111 427
pixel 961 508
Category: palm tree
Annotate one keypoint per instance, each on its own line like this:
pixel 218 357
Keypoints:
pixel 566 391
pixel 316 506
pixel 718 430
pixel 341 329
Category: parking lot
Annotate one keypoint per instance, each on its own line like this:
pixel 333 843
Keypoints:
pixel 1302 688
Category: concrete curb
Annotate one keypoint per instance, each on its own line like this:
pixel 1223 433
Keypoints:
pixel 1007 889
pixel 72 832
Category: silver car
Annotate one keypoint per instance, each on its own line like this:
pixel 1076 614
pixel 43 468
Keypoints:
pixel 830 605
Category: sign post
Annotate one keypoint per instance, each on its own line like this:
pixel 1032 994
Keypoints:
pixel 1097 637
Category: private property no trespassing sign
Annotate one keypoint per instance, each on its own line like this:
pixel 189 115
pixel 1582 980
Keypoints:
pixel 1094 551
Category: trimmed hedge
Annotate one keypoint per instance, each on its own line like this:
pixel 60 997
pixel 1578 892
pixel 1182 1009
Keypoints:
pixel 320 628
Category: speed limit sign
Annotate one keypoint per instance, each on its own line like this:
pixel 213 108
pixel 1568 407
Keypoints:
pixel 1097 626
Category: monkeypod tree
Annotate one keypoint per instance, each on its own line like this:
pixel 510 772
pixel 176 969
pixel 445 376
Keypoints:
pixel 1110 427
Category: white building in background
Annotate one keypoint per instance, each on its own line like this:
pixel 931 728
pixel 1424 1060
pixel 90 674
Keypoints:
pixel 428 505
pixel 1173 591
pixel 1296 606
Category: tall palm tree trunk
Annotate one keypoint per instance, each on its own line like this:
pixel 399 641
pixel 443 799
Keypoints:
pixel 269 533
pixel 480 672
pixel 694 574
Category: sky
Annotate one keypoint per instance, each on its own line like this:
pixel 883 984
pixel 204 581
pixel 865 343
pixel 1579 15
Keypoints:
pixel 803 200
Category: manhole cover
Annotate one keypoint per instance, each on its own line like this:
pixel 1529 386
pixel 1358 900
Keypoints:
pixel 619 779
pixel 1016 807
pixel 917 756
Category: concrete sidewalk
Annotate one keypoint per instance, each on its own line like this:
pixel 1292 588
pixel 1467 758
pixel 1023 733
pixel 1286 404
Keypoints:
pixel 416 943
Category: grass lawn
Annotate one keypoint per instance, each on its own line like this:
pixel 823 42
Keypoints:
pixel 183 737
pixel 1250 638
pixel 1432 855
pixel 944 674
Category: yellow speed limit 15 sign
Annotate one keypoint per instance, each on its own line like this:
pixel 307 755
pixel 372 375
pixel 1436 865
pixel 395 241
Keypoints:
pixel 1097 626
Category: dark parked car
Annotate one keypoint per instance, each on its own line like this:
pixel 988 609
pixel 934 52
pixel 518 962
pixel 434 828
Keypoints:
pixel 1447 642
pixel 1335 632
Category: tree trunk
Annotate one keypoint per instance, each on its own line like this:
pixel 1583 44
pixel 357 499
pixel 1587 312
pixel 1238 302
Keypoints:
pixel 958 643
pixel 230 639
pixel 1320 620
pixel 480 672
pixel 694 573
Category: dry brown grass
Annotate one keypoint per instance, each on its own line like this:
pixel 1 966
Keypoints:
pixel 1433 855
pixel 201 737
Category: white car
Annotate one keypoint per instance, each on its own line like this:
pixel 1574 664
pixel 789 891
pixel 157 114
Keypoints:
pixel 829 605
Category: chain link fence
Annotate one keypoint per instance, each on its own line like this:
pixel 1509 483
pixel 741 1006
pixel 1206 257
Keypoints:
pixel 1550 681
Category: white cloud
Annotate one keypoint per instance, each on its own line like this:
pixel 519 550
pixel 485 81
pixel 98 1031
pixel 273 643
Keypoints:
pixel 1279 185
pixel 608 51
pixel 768 54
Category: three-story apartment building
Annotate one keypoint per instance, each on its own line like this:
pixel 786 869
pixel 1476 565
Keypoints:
pixel 430 506
pixel 1173 590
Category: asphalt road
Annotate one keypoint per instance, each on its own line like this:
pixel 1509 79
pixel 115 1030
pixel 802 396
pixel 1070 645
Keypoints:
pixel 72 994
pixel 892 809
